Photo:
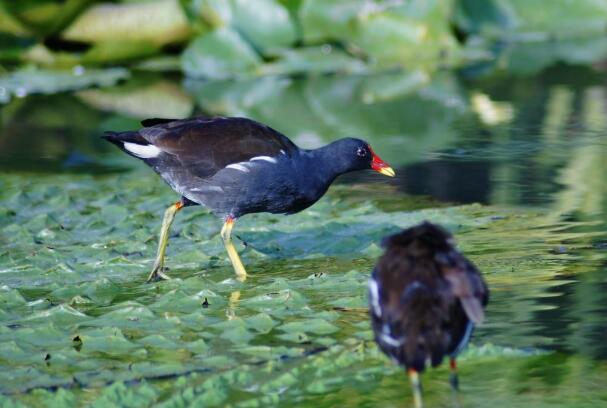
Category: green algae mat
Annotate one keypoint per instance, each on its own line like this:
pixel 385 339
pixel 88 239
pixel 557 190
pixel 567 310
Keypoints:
pixel 79 327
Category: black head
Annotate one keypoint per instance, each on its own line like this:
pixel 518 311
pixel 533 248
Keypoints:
pixel 357 154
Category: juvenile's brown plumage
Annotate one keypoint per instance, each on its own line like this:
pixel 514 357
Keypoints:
pixel 425 298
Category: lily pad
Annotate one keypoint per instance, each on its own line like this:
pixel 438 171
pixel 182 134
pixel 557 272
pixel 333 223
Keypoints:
pixel 222 53
pixel 28 81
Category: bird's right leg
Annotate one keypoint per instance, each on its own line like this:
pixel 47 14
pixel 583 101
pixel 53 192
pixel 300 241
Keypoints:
pixel 169 216
pixel 226 235
pixel 416 387
pixel 454 381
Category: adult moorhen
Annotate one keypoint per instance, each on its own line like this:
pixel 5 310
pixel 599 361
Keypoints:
pixel 424 299
pixel 236 166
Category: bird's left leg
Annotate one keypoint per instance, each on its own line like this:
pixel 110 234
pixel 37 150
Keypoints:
pixel 226 235
pixel 169 216
pixel 416 387
pixel 453 378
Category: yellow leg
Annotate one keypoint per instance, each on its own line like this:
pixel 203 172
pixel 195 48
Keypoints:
pixel 232 303
pixel 416 387
pixel 226 235
pixel 169 216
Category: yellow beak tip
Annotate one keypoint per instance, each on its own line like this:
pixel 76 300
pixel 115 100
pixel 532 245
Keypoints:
pixel 387 171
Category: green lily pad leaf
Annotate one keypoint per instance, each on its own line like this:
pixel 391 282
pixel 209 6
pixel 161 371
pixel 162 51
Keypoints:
pixel 158 341
pixel 218 362
pixel 10 24
pixel 55 399
pixel 402 38
pixel 62 314
pixel 118 51
pixel 10 298
pixel 276 302
pixel 10 351
pixel 323 59
pixel 198 346
pixel 156 99
pixel 219 54
pixel 178 301
pixel 261 323
pixel 27 81
pixel 108 340
pixel 359 302
pixel 118 394
pixel 158 22
pixel 215 13
pixel 295 337
pixel 315 326
pixel 531 57
pixel 269 353
pixel 323 20
pixel 235 331
pixel 563 18
pixel 487 18
pixel 265 23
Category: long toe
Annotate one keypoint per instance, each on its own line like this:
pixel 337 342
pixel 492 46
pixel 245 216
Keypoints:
pixel 157 275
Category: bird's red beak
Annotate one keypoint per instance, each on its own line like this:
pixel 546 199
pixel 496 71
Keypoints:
pixel 381 166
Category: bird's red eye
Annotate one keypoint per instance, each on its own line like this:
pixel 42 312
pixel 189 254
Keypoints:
pixel 361 152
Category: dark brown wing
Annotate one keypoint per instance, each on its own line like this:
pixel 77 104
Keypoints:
pixel 204 146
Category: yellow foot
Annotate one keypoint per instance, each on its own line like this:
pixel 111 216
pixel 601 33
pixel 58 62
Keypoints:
pixel 157 275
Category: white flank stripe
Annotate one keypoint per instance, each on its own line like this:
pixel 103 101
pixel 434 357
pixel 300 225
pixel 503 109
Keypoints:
pixel 238 167
pixel 264 158
pixel 208 188
pixel 374 297
pixel 143 151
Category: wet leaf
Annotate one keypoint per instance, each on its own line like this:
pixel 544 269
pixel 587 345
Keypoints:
pixel 27 81
pixel 265 23
pixel 222 53
pixel 159 22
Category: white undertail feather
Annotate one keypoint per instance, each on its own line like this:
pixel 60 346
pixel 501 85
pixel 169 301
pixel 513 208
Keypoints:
pixel 142 151
pixel 374 297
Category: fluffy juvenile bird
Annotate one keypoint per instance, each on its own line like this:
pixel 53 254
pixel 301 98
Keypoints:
pixel 425 298
pixel 236 166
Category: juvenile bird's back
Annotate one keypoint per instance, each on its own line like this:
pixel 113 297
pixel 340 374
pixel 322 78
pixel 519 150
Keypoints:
pixel 425 297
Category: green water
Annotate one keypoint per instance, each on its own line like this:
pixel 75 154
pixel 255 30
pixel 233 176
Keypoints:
pixel 513 163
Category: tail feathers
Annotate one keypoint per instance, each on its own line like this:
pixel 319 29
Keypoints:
pixel 473 309
pixel 133 144
pixel 119 138
pixel 156 121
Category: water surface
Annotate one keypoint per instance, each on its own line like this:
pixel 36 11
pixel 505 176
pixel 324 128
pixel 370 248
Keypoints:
pixel 512 163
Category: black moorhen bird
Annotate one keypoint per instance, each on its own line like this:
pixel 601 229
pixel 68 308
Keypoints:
pixel 236 166
pixel 424 299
